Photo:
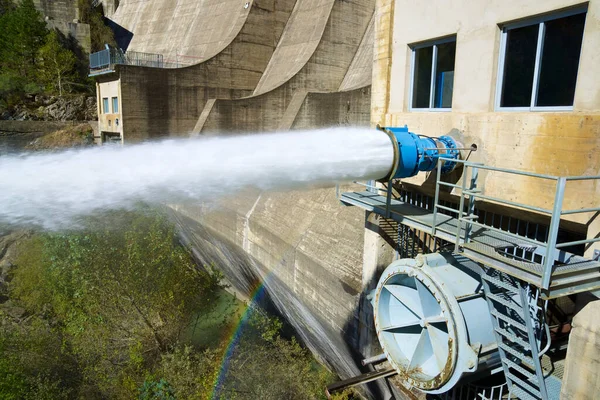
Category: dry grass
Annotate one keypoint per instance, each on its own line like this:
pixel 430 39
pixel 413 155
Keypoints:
pixel 73 136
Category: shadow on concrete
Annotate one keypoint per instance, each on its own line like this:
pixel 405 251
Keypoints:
pixel 245 274
pixel 123 36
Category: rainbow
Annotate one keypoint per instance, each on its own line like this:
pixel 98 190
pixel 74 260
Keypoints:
pixel 235 334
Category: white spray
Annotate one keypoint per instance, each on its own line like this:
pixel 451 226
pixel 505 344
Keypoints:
pixel 52 190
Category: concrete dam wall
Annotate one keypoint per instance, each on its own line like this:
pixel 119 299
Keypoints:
pixel 258 76
pixel 276 65
pixel 305 248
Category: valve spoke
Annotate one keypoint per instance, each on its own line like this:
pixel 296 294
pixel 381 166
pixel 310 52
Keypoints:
pixel 439 344
pixel 407 296
pixel 407 327
pixel 429 303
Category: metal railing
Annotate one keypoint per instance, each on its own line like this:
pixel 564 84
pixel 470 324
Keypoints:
pixel 107 58
pixel 467 219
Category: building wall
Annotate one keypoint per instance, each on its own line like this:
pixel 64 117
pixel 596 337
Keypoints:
pixel 109 122
pixel 558 143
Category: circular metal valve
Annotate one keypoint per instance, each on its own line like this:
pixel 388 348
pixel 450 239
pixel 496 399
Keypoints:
pixel 421 327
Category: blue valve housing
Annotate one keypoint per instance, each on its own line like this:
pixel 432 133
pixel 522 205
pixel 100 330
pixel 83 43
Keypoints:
pixel 415 153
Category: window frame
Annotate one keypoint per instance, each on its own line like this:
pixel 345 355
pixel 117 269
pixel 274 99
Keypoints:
pixel 115 100
pixel 541 22
pixel 105 110
pixel 413 48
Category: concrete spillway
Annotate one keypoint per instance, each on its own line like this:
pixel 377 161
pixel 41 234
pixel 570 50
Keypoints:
pixel 296 64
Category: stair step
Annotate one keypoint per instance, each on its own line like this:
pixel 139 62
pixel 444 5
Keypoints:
pixel 509 320
pixel 528 387
pixel 513 338
pixel 530 375
pixel 507 303
pixel 515 353
pixel 522 394
pixel 499 283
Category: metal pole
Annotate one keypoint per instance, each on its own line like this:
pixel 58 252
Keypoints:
pixel 374 359
pixel 471 209
pixel 437 197
pixel 553 232
pixel 357 380
pixel 388 199
pixel 460 210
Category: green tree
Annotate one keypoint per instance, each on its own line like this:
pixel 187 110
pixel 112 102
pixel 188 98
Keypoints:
pixel 100 33
pixel 267 366
pixel 122 290
pixel 56 65
pixel 22 34
pixel 6 6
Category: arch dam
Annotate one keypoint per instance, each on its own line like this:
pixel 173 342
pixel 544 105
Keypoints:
pixel 218 67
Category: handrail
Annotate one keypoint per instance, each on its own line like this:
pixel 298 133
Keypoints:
pixel 577 242
pixel 548 247
pixel 450 185
pixel 369 186
pixel 110 56
pixel 512 203
pixel 582 178
pixel 505 170
pixel 580 211
pixel 452 210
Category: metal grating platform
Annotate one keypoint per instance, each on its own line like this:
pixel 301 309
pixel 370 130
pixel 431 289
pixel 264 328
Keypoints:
pixel 575 274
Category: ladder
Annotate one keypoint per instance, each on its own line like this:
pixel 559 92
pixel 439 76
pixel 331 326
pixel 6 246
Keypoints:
pixel 521 329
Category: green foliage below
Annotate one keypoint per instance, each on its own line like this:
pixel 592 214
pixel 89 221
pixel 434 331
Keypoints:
pixel 160 390
pixel 108 314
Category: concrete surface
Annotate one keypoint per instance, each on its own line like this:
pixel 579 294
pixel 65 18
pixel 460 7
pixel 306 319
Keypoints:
pixel 346 28
pixel 64 16
pixel 582 368
pixel 160 102
pixel 188 31
pixel 304 240
pixel 302 35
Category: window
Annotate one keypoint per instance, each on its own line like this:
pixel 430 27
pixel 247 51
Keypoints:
pixel 539 61
pixel 433 75
pixel 115 105
pixel 105 105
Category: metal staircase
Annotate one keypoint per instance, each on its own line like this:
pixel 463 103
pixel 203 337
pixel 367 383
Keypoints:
pixel 521 269
pixel 521 331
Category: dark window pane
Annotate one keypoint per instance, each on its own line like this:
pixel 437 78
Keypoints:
pixel 444 75
pixel 519 64
pixel 422 80
pixel 560 60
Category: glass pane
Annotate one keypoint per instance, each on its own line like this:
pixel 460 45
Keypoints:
pixel 422 81
pixel 115 105
pixel 105 105
pixel 519 64
pixel 560 60
pixel 444 75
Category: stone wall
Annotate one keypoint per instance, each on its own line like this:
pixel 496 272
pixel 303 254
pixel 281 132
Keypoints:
pixel 63 15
